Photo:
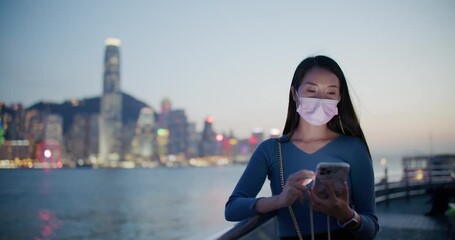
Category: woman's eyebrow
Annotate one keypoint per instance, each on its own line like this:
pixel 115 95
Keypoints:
pixel 314 84
pixel 310 83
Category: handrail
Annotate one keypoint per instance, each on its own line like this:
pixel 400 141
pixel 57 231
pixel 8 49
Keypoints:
pixel 246 226
pixel 384 191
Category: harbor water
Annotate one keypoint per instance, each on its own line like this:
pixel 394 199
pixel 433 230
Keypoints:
pixel 160 203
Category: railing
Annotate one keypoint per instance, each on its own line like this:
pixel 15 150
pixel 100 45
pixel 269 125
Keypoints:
pixel 262 225
pixel 414 182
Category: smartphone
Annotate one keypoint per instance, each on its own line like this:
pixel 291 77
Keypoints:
pixel 334 174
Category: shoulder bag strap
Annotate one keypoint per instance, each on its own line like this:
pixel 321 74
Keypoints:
pixel 291 211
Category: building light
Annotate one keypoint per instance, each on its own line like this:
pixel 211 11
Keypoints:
pixel 253 140
pixel 74 102
pixel 233 141
pixel 162 132
pixel 113 42
pixel 219 137
pixel 274 132
pixel 47 153
pixel 419 174
pixel 209 120
pixel 257 130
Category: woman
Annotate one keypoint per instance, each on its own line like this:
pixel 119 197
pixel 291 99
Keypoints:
pixel 321 126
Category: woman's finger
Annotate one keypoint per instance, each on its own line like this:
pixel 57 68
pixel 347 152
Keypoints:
pixel 345 188
pixel 314 201
pixel 301 175
pixel 314 197
pixel 300 187
pixel 345 191
pixel 330 191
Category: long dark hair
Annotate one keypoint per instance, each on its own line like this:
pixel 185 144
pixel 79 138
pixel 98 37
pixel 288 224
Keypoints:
pixel 346 112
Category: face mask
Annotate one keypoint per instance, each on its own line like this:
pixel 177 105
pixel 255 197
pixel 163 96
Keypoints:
pixel 317 111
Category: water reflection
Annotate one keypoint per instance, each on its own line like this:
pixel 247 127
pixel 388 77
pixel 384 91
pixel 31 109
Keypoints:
pixel 114 204
pixel 49 224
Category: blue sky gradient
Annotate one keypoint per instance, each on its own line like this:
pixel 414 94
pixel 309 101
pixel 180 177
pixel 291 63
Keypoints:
pixel 234 60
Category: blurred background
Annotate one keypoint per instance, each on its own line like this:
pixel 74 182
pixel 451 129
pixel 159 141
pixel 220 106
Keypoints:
pixel 166 86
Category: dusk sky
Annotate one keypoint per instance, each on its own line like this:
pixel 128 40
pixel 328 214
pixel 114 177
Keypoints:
pixel 234 60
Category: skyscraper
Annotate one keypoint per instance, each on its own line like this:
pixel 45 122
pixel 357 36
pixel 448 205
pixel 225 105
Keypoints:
pixel 110 126
pixel 166 108
pixel 142 145
pixel 193 139
pixel 49 151
pixel 208 144
pixel 178 128
pixel 82 139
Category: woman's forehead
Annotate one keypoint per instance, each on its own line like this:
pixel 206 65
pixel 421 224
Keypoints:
pixel 317 76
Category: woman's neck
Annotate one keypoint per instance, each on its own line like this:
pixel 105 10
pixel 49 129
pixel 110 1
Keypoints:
pixel 306 132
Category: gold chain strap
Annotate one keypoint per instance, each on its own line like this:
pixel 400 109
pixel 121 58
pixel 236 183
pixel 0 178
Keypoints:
pixel 291 211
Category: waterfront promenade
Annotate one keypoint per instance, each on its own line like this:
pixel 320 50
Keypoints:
pixel 399 219
pixel 407 219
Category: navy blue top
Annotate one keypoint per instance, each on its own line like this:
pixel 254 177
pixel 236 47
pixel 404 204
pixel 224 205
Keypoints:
pixel 264 163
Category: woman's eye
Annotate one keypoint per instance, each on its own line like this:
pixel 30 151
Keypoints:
pixel 331 93
pixel 310 91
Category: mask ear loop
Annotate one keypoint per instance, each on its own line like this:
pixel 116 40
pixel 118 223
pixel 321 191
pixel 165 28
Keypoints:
pixel 295 94
pixel 341 124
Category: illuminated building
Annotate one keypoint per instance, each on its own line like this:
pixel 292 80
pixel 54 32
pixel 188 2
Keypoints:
pixel 13 121
pixel 192 143
pixel 13 145
pixel 34 128
pixel 208 143
pixel 162 140
pixel 93 135
pixel 110 126
pixel 256 138
pixel 49 149
pixel 242 151
pixel 82 138
pixel 163 118
pixel 76 139
pixel 1 132
pixel 142 145
pixel 1 124
pixel 175 122
pixel 177 125
pixel 275 133
pixel 229 145
pixel 15 149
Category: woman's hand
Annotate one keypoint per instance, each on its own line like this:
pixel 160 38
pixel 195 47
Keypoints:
pixel 295 188
pixel 335 206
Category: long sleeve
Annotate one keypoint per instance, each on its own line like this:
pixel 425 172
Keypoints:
pixel 363 195
pixel 242 200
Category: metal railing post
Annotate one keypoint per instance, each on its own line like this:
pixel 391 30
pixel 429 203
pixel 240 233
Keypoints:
pixel 386 182
pixel 406 181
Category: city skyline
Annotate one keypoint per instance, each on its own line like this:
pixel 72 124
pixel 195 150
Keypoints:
pixel 237 67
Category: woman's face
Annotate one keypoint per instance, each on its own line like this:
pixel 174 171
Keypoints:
pixel 320 83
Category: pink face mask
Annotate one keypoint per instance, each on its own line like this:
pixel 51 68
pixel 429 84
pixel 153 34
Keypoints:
pixel 317 111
